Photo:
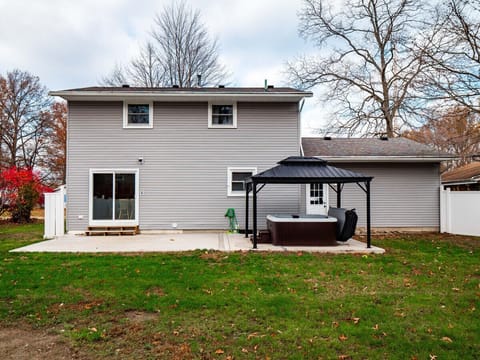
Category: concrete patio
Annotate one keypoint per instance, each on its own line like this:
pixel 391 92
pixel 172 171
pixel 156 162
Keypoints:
pixel 187 241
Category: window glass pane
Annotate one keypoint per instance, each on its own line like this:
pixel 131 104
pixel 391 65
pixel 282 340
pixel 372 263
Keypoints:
pixel 124 196
pixel 238 186
pixel 102 197
pixel 222 119
pixel 138 108
pixel 138 119
pixel 240 176
pixel 222 109
pixel 138 113
pixel 238 180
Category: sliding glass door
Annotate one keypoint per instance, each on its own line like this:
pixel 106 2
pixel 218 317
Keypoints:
pixel 113 197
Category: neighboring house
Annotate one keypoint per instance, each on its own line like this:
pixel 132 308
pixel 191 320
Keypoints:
pixel 176 158
pixel 464 178
pixel 406 184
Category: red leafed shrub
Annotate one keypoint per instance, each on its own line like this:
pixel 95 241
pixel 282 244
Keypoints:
pixel 20 190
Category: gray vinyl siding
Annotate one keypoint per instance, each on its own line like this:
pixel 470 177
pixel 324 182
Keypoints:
pixel 184 176
pixel 403 194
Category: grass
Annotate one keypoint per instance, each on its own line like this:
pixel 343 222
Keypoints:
pixel 418 301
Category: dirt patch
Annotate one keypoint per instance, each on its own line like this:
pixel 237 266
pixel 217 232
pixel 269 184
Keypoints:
pixel 138 317
pixel 31 344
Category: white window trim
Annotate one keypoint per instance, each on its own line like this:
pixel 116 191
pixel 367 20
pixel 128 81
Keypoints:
pixel 213 126
pixel 230 170
pixel 126 125
pixel 131 222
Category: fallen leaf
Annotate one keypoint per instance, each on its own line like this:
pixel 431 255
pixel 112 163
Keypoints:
pixel 356 320
pixel 244 350
pixel 456 289
pixel 252 335
pixel 219 352
pixel 433 357
pixel 342 337
pixel 447 339
pixel 376 327
pixel 93 329
pixel 344 357
pixel 335 324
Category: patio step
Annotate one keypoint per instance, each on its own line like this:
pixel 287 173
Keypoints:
pixel 112 230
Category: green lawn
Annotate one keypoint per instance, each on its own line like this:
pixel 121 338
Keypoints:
pixel 418 301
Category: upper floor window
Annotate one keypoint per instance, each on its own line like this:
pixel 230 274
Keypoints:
pixel 222 115
pixel 138 115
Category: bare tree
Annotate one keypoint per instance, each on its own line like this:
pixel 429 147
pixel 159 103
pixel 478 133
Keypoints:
pixel 371 60
pixel 24 129
pixel 455 56
pixel 180 49
pixel 456 131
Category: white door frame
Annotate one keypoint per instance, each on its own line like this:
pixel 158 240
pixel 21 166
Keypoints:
pixel 130 222
pixel 320 206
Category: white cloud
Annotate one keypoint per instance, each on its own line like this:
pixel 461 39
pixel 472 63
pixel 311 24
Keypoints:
pixel 72 43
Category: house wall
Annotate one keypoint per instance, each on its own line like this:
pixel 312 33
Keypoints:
pixel 184 176
pixel 403 195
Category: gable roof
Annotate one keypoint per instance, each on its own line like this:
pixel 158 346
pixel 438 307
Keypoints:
pixel 371 149
pixel 469 173
pixel 303 170
pixel 101 93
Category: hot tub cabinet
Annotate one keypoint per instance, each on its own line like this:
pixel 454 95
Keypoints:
pixel 303 230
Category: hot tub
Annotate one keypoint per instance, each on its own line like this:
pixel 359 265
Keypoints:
pixel 302 230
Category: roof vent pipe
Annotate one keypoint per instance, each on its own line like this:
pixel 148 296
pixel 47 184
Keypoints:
pixel 265 85
pixel 199 80
pixel 125 86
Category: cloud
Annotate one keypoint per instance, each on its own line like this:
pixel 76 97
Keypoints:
pixel 74 43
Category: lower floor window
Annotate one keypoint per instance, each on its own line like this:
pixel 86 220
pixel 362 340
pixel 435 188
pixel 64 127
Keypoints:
pixel 113 195
pixel 237 178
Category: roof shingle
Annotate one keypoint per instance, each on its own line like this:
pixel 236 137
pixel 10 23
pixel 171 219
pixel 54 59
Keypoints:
pixel 351 147
pixel 463 173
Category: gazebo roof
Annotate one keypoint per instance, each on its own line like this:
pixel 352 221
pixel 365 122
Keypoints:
pixel 304 170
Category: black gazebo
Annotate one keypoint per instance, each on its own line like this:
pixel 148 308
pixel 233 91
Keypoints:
pixel 305 170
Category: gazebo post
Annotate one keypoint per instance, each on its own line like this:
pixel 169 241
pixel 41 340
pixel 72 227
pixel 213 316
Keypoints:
pixel 367 185
pixel 246 208
pixel 339 196
pixel 254 214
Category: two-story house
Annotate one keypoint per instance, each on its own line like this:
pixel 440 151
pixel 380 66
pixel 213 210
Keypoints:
pixel 175 158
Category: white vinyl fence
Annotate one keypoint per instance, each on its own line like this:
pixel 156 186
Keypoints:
pixel 54 214
pixel 460 212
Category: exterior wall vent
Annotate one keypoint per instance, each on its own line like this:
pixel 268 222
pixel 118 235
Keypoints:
pixel 221 86
pixel 327 138
pixel 175 86
pixel 125 86
pixel 384 137
pixel 271 86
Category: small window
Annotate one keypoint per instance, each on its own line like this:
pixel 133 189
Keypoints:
pixel 236 180
pixel 222 115
pixel 138 115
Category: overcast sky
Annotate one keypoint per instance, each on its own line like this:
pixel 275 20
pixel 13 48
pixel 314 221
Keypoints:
pixel 73 43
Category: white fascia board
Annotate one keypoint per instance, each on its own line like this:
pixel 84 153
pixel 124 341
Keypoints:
pixel 178 96
pixel 347 159
pixel 460 182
